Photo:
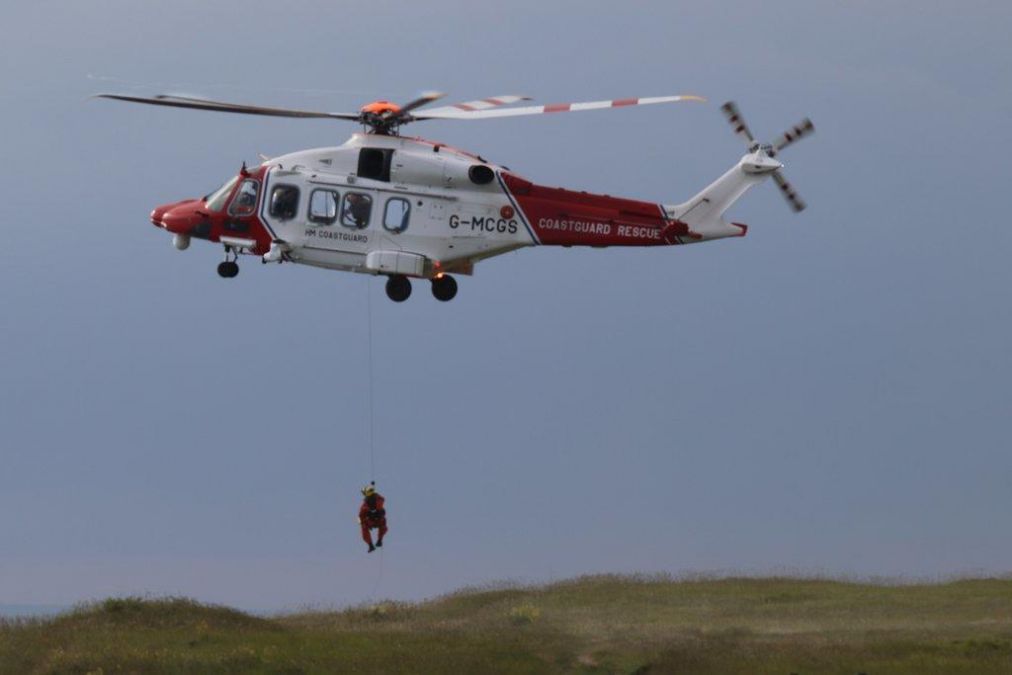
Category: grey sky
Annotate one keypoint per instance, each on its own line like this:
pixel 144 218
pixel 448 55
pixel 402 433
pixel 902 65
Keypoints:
pixel 830 394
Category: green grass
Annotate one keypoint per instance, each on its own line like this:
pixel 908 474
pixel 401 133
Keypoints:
pixel 592 625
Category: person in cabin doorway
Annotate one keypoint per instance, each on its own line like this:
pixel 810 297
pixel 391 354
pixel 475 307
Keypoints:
pixel 356 210
pixel 372 516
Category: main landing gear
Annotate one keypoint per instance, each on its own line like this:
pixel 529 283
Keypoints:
pixel 444 288
pixel 398 287
pixel 229 268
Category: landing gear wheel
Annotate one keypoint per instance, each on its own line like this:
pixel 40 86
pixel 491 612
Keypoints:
pixel 398 288
pixel 444 288
pixel 228 269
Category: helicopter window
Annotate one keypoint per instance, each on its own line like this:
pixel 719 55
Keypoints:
pixel 396 213
pixel 216 200
pixel 323 207
pixel 285 202
pixel 375 163
pixel 245 202
pixel 355 210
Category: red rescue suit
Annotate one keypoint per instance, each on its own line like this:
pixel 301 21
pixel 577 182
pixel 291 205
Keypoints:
pixel 372 516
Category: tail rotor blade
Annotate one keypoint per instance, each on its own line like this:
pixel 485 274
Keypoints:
pixel 734 117
pixel 794 134
pixel 788 192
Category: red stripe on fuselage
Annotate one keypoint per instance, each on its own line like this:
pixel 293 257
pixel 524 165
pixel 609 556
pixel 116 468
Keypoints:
pixel 567 218
pixel 557 107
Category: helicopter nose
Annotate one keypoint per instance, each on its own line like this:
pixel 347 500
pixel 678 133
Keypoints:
pixel 177 217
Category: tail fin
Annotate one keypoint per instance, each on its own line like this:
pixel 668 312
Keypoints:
pixel 703 212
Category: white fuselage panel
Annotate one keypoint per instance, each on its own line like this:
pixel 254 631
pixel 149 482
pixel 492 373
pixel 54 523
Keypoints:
pixel 429 207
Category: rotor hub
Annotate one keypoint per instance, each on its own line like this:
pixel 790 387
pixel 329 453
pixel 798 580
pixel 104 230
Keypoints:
pixel 380 108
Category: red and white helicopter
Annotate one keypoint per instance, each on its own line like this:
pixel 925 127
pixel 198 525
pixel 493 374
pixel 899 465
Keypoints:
pixel 408 208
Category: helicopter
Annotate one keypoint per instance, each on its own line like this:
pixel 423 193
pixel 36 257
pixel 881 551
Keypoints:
pixel 409 208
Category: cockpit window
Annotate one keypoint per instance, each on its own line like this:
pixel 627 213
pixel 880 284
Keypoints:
pixel 245 202
pixel 216 200
pixel 284 202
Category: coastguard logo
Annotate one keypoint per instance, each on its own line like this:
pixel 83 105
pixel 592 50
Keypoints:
pixel 578 226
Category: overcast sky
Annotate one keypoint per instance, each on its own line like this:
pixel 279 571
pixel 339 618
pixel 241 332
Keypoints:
pixel 830 394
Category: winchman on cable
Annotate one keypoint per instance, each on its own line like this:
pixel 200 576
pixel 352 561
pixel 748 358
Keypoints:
pixel 372 516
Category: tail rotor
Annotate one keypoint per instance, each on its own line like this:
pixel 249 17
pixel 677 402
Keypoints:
pixel 770 150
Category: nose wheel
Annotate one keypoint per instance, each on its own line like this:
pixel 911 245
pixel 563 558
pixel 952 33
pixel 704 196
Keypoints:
pixel 228 269
pixel 398 288
pixel 444 288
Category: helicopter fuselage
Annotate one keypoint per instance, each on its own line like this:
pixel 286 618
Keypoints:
pixel 406 206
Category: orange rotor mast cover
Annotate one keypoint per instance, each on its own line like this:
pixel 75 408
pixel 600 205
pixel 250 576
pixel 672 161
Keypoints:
pixel 381 107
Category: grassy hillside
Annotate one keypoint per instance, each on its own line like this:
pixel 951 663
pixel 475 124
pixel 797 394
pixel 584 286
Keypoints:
pixel 597 624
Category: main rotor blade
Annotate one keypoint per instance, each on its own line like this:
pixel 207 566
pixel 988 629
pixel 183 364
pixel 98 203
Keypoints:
pixel 481 104
pixel 794 134
pixel 218 106
pixel 455 113
pixel 205 101
pixel 733 115
pixel 788 192
pixel 425 99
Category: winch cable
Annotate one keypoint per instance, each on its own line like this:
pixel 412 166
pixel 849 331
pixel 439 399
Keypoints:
pixel 372 414
pixel 372 421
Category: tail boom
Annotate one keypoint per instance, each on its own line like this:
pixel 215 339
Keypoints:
pixel 559 217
